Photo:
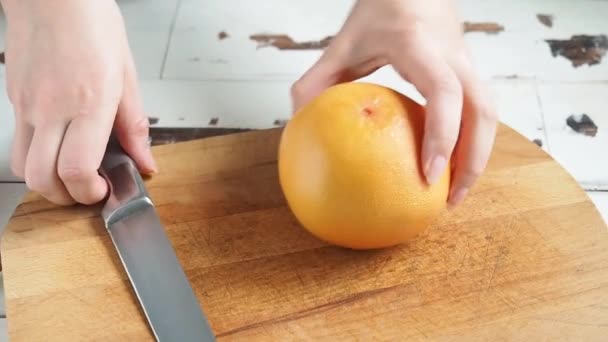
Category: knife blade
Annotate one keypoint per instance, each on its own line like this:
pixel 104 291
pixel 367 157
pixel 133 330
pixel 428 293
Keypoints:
pixel 162 288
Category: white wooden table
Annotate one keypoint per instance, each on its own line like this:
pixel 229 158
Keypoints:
pixel 189 76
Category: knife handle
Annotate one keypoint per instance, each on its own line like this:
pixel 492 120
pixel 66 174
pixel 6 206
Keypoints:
pixel 127 191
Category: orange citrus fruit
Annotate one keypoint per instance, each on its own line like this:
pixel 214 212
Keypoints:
pixel 350 167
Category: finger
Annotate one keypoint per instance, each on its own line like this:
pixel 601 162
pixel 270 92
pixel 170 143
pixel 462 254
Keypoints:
pixel 21 144
pixel 326 72
pixel 132 125
pixel 81 154
pixel 418 62
pixel 336 65
pixel 479 123
pixel 41 163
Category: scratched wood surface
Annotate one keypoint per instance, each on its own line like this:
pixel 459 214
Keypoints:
pixel 524 257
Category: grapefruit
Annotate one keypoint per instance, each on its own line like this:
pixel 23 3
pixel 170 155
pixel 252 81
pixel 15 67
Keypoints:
pixel 350 167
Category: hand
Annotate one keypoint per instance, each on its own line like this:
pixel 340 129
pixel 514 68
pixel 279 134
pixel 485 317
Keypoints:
pixel 71 78
pixel 423 41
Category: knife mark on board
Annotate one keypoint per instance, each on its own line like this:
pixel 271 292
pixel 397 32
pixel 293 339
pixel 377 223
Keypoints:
pixel 314 310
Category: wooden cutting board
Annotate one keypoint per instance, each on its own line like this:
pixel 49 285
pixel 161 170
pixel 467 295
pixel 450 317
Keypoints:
pixel 525 256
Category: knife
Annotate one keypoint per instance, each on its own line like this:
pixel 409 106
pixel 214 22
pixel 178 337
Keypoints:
pixel 162 288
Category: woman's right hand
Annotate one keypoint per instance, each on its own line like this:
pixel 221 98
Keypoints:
pixel 71 79
pixel 423 41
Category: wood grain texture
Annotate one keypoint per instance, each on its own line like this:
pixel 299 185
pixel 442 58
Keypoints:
pixel 525 255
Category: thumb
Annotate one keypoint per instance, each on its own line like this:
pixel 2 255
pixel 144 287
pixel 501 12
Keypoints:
pixel 331 68
pixel 338 64
pixel 132 126
pixel 323 74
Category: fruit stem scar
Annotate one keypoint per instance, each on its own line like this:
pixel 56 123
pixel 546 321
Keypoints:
pixel 367 111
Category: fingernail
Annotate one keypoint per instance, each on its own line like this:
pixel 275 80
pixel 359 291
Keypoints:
pixel 435 168
pixel 458 196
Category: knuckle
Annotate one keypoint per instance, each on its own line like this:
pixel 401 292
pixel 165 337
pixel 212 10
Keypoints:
pixel 88 99
pixel 140 127
pixel 445 142
pixel 71 174
pixel 297 89
pixel 445 82
pixel 483 108
pixel 406 34
pixel 19 103
pixel 36 183
pixel 14 95
pixel 475 171
pixel 299 94
pixel 487 113
pixel 17 163
pixel 73 98
pixel 78 181
pixel 443 138
pixel 85 94
pixel 43 93
pixel 407 37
